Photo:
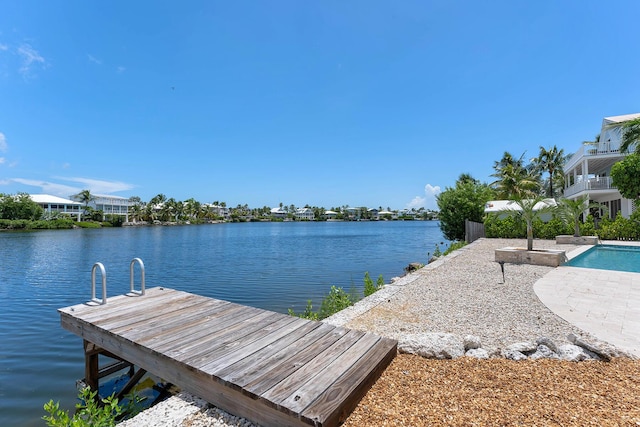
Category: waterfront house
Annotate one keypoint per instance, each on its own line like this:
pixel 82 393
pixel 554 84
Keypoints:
pixel 278 213
pixel 58 205
pixel 304 214
pixel 373 214
pixel 219 211
pixel 387 215
pixel 330 215
pixel 111 205
pixel 353 213
pixel 588 171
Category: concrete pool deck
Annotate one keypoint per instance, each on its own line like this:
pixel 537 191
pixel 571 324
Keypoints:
pixel 604 303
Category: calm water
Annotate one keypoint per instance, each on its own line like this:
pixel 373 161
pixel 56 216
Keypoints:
pixel 274 266
pixel 609 257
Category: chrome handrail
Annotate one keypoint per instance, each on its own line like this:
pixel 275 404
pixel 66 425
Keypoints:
pixel 131 285
pixel 93 283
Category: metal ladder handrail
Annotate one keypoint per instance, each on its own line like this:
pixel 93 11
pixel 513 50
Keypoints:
pixel 131 284
pixel 93 283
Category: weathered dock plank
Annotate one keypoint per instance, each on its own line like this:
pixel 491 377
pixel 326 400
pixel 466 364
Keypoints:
pixel 271 368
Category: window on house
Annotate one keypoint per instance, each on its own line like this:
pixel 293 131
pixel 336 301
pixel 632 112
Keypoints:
pixel 615 207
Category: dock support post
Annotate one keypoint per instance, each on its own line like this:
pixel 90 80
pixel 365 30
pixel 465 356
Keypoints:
pixel 91 370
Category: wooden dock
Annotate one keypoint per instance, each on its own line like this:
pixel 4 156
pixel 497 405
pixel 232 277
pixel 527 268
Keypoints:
pixel 271 368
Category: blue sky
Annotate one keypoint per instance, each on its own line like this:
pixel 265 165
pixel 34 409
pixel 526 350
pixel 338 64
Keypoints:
pixel 360 103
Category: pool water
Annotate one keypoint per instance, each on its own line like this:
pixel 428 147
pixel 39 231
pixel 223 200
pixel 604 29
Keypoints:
pixel 609 257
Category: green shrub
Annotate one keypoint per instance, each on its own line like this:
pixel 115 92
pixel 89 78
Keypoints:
pixel 454 246
pixel 114 220
pixel 308 312
pixel 370 287
pixel 88 413
pixel 337 300
pixel 588 227
pixel 510 227
pixel 549 230
pixel 621 228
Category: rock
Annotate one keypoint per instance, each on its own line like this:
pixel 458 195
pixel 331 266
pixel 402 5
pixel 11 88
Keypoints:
pixel 472 342
pixel 544 352
pixel 513 355
pixel 523 347
pixel 574 353
pixel 548 343
pixel 413 267
pixel 432 345
pixel 605 351
pixel 478 353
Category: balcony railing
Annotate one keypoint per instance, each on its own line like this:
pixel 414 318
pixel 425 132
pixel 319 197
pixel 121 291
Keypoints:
pixel 599 183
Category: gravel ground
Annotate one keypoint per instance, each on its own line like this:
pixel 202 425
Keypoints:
pixel 464 293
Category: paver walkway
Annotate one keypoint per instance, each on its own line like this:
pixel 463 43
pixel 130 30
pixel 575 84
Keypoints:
pixel 604 303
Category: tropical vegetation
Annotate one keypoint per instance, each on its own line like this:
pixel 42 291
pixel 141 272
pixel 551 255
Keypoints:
pixel 338 299
pixel 465 201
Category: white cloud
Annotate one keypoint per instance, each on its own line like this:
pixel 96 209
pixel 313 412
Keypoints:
pixel 94 59
pixel 3 143
pixel 99 186
pixel 30 57
pixel 120 69
pixel 417 202
pixel 431 190
pixel 427 201
pixel 64 190
pixel 2 160
pixel 52 188
pixel 4 47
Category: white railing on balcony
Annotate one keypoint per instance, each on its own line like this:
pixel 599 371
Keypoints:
pixel 598 183
pixel 590 150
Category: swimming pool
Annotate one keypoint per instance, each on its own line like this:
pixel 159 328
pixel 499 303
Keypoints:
pixel 609 257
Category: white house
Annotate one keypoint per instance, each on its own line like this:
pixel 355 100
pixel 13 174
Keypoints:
pixel 330 215
pixel 588 171
pixel 373 214
pixel 353 213
pixel 387 214
pixel 221 211
pixel 111 205
pixel 278 212
pixel 305 214
pixel 55 204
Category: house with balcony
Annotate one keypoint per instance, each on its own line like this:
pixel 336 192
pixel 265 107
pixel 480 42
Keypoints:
pixel 111 205
pixel 305 214
pixel 588 171
pixel 278 213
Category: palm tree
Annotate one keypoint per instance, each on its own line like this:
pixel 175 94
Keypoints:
pixel 570 211
pixel 514 180
pixel 552 161
pixel 631 135
pixel 85 197
pixel 136 211
pixel 530 209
